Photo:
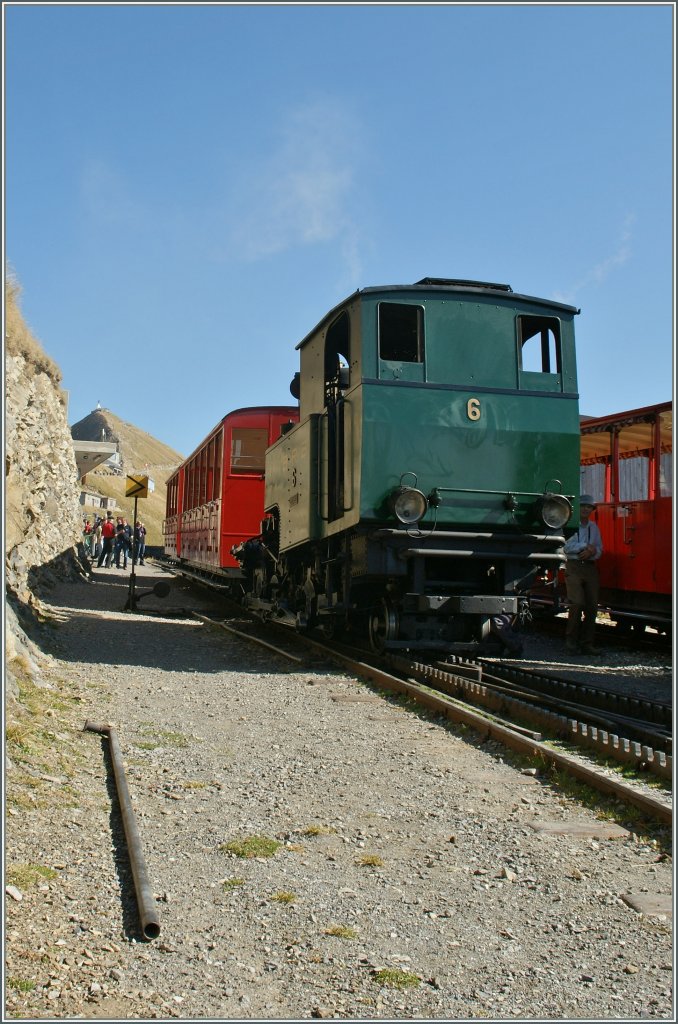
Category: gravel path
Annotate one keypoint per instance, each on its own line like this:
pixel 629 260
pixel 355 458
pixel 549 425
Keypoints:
pixel 415 876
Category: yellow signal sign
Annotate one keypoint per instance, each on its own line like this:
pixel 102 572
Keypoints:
pixel 136 487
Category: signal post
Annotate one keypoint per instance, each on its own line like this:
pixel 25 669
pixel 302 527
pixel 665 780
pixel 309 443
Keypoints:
pixel 136 487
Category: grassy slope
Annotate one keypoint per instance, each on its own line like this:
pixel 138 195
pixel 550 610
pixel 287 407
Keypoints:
pixel 19 340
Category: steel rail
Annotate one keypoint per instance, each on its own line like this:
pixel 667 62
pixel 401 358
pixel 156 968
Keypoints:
pixel 643 730
pixel 148 914
pixel 651 717
pixel 649 805
pixel 587 733
pixel 521 744
pixel 246 636
pixel 604 699
pixel 460 712
pixel 504 734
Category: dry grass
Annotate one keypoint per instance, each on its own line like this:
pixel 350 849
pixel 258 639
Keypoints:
pixel 31 738
pixel 19 339
pixel 25 876
pixel 341 931
pixel 283 896
pixel 370 860
pixel 45 760
pixel 318 830
pixel 251 846
pixel 160 738
pixel 393 977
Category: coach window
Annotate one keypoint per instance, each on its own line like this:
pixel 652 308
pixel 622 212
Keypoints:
pixel 190 485
pixel 401 332
pixel 248 447
pixel 217 466
pixel 210 471
pixel 202 497
pixel 666 475
pixel 634 477
pixel 539 350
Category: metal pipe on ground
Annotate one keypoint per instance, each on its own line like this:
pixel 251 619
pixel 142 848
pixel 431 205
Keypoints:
pixel 148 914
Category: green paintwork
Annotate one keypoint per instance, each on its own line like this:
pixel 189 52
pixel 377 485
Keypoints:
pixel 517 446
pixel 415 418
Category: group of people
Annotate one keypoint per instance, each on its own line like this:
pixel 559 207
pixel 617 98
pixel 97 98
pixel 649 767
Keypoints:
pixel 112 541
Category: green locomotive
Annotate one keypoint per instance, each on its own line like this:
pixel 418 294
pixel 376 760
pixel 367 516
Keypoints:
pixel 432 470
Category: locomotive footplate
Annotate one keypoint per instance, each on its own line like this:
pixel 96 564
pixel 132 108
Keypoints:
pixel 460 604
pixel 492 604
pixel 448 646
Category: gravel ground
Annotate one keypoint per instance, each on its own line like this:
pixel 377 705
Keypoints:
pixel 409 854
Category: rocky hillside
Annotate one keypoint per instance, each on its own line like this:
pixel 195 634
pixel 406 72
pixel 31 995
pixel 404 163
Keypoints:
pixel 41 479
pixel 140 453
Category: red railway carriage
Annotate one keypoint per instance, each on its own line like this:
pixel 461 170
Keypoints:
pixel 626 464
pixel 215 499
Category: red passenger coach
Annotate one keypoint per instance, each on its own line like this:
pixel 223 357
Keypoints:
pixel 215 499
pixel 626 464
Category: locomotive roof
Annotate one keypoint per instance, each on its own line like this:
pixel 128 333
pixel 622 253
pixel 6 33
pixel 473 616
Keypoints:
pixel 443 284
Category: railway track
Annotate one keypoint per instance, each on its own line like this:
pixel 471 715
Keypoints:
pixel 641 743
pixel 500 705
pixel 562 705
pixel 610 635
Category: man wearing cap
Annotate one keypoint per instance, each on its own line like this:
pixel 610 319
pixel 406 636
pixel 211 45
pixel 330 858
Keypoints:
pixel 583 550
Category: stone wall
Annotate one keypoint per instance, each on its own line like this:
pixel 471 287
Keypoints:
pixel 42 490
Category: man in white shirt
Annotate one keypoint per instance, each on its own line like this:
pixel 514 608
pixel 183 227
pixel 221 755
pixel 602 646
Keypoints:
pixel 583 550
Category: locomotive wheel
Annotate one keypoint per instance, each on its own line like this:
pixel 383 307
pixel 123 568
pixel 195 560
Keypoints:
pixel 383 625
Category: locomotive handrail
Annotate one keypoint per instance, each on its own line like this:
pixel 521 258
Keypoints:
pixel 475 553
pixel 484 490
pixel 319 462
pixel 506 538
pixel 344 508
pixel 345 402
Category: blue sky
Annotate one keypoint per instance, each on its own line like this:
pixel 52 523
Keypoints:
pixel 190 188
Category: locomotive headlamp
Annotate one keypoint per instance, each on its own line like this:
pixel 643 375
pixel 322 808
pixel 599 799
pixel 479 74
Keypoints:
pixel 408 505
pixel 554 509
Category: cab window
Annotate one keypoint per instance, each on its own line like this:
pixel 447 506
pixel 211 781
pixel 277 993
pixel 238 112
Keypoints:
pixel 401 332
pixel 539 344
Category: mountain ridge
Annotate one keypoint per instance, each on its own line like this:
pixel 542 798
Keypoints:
pixel 140 452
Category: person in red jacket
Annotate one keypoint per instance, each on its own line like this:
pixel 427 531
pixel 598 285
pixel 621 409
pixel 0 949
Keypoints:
pixel 107 538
